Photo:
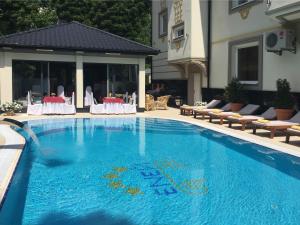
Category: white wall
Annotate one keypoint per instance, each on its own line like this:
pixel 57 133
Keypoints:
pixel 192 47
pixel 228 27
pixel 195 28
pixel 161 70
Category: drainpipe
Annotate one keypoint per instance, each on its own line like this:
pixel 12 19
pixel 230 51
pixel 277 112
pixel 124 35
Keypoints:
pixel 209 42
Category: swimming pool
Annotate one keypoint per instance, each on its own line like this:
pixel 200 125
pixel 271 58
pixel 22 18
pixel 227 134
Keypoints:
pixel 142 171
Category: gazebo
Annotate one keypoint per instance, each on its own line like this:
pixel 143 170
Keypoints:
pixel 75 56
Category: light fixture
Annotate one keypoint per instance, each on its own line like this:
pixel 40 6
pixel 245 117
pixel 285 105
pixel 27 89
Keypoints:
pixel 44 50
pixel 112 53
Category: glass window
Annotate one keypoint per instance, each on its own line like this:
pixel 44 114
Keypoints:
pixel 122 79
pixel 163 23
pixel 178 32
pixel 237 3
pixel 41 78
pixel 95 76
pixel 247 63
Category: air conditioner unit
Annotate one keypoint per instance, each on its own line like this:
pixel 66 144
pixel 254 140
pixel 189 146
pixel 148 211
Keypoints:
pixel 280 40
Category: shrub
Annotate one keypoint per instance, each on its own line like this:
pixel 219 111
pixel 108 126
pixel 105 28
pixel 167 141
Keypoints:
pixel 234 92
pixel 284 99
pixel 11 107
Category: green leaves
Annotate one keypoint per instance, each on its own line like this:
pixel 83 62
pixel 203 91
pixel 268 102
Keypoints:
pixel 23 15
pixel 234 92
pixel 284 99
pixel 128 18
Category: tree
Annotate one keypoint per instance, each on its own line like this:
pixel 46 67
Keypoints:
pixel 22 15
pixel 130 18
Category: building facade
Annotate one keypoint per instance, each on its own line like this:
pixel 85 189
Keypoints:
pixel 252 40
pixel 180 32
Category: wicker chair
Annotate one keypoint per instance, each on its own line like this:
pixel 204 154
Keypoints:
pixel 149 104
pixel 162 102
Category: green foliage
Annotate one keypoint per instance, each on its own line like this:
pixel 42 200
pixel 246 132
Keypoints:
pixel 23 15
pixel 234 92
pixel 11 107
pixel 284 99
pixel 128 18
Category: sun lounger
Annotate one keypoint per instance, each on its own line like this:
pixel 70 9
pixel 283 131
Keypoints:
pixel 204 112
pixel 188 110
pixel 293 131
pixel 247 110
pixel 276 125
pixel 270 114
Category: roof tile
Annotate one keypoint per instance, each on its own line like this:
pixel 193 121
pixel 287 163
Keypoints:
pixel 75 36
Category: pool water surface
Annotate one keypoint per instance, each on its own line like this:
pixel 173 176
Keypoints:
pixel 142 171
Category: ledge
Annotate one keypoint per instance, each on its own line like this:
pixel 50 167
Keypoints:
pixel 11 148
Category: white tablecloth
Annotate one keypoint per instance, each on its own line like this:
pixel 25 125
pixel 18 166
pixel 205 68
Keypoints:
pixel 58 108
pixel 113 108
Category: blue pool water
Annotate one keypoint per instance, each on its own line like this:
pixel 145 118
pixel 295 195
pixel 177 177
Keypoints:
pixel 137 171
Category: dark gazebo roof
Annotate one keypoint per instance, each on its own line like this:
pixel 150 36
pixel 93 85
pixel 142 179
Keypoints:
pixel 75 36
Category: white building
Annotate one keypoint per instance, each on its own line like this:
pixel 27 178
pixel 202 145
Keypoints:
pixel 180 32
pixel 230 38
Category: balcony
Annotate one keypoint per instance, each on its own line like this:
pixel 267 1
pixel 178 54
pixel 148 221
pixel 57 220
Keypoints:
pixel 284 10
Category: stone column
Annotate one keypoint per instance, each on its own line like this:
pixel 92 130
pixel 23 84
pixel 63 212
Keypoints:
pixel 6 85
pixel 79 81
pixel 141 84
pixel 197 87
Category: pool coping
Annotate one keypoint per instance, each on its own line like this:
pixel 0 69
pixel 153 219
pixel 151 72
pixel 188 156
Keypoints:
pixel 9 157
pixel 13 138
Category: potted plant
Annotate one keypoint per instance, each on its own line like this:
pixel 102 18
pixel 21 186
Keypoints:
pixel 284 101
pixel 234 94
pixel 10 108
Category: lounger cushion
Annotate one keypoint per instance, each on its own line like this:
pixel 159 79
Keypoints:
pixel 226 107
pixel 276 123
pixel 270 114
pixel 212 104
pixel 244 118
pixel 295 118
pixel 248 109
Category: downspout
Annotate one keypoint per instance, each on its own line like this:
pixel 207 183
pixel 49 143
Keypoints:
pixel 209 42
pixel 151 41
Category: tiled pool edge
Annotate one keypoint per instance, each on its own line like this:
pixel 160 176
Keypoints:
pixel 9 157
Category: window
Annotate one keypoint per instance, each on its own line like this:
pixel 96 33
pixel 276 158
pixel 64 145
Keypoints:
pixel 178 32
pixel 236 5
pixel 247 64
pixel 245 61
pixel 163 23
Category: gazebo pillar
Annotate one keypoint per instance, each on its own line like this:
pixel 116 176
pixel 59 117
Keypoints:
pixel 79 81
pixel 141 85
pixel 6 84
